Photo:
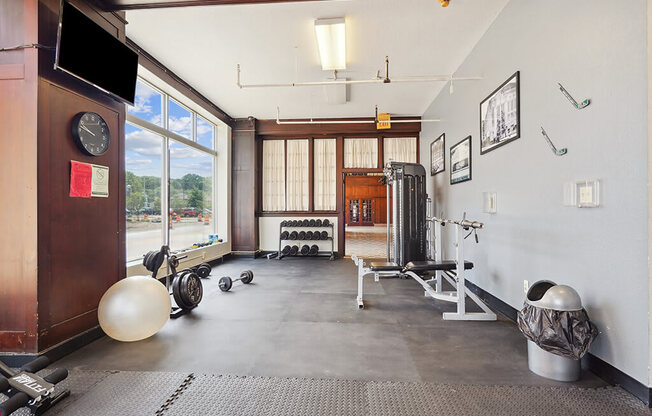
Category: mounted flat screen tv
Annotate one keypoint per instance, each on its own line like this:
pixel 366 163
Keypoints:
pixel 87 51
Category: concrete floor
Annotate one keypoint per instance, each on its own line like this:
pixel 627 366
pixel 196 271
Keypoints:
pixel 299 319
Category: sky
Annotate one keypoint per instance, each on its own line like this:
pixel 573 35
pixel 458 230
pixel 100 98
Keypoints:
pixel 143 148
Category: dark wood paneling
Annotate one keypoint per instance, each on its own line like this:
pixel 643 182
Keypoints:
pixel 80 239
pixel 244 224
pixel 18 169
pixel 271 128
pixel 152 4
pixel 366 187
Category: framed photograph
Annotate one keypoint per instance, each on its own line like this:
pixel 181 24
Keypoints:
pixel 437 159
pixel 461 161
pixel 500 118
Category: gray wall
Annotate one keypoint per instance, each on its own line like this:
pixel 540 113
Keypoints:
pixel 597 49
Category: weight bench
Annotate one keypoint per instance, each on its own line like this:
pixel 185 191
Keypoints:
pixel 446 269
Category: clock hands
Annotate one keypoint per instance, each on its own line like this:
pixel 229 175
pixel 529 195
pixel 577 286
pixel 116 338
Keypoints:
pixel 86 128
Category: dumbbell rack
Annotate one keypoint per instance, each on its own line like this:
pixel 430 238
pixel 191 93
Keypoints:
pixel 330 254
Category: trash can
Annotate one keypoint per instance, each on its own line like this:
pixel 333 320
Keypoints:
pixel 558 330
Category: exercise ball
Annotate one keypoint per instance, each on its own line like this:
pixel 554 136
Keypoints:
pixel 134 308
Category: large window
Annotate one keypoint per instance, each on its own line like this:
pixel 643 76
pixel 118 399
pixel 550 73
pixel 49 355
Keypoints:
pixel 168 144
pixel 361 153
pixel 325 173
pixel 400 149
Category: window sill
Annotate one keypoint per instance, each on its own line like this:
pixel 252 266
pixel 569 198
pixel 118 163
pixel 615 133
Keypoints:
pixel 195 257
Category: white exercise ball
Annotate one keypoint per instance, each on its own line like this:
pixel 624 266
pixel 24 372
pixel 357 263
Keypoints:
pixel 134 308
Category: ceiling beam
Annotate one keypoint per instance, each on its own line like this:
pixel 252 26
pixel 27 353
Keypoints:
pixel 115 5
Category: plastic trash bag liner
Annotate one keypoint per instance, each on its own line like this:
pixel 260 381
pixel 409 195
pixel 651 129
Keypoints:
pixel 565 333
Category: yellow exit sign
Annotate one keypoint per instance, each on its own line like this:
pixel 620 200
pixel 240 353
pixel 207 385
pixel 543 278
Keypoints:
pixel 383 121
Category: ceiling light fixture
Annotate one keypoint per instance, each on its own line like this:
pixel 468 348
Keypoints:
pixel 331 39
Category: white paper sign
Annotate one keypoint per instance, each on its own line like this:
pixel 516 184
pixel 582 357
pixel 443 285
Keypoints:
pixel 100 181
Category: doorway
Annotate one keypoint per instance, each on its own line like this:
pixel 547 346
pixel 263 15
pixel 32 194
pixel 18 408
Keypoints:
pixel 365 215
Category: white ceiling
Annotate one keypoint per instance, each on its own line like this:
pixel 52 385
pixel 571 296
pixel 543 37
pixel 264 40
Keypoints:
pixel 276 43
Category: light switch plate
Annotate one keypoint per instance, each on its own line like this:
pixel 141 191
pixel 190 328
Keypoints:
pixel 489 202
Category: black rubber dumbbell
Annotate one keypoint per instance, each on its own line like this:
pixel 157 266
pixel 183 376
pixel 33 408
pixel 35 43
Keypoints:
pixel 316 235
pixel 305 249
pixel 314 250
pixel 312 222
pixel 294 250
pixel 286 250
pixel 285 235
pixel 294 235
pixel 302 235
pixel 326 223
pixel 318 223
pixel 324 235
pixel 305 223
pixel 309 235
pixel 226 282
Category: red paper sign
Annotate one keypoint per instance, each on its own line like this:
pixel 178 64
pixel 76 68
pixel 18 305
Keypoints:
pixel 81 175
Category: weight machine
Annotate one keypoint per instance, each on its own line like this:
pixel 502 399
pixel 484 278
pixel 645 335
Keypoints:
pixel 409 257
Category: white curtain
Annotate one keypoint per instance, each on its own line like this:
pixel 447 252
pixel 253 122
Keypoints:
pixel 325 174
pixel 400 149
pixel 361 153
pixel 274 175
pixel 297 175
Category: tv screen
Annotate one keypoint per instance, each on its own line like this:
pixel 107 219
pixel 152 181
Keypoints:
pixel 90 53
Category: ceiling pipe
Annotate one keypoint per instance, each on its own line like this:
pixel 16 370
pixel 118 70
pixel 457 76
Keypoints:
pixel 377 80
pixel 311 121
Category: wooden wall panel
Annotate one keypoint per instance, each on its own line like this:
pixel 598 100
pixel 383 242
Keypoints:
pixel 18 169
pixel 244 228
pixel 80 250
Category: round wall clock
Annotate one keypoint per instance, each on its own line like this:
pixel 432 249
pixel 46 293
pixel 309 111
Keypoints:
pixel 91 133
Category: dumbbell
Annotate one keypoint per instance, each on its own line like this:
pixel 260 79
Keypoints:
pixel 285 235
pixel 309 235
pixel 312 222
pixel 302 235
pixel 305 223
pixel 318 223
pixel 294 235
pixel 226 282
pixel 294 250
pixel 286 250
pixel 314 250
pixel 326 223
pixel 324 235
pixel 316 235
pixel 305 249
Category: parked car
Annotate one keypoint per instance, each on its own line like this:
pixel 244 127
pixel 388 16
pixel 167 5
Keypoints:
pixel 189 212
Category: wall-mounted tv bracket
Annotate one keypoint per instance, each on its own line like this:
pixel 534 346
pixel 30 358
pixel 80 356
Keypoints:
pixel 579 106
pixel 560 152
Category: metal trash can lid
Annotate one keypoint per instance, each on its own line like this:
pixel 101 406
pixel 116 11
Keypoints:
pixel 548 295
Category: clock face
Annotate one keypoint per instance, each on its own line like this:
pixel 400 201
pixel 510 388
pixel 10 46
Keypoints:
pixel 91 133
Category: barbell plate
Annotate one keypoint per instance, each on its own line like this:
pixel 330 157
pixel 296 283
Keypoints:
pixel 225 283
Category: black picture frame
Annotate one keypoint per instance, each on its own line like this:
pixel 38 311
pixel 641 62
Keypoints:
pixel 496 137
pixel 455 169
pixel 439 169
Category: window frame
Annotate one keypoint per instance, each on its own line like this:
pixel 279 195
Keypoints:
pixel 167 135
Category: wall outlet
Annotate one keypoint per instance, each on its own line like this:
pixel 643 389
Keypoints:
pixel 526 286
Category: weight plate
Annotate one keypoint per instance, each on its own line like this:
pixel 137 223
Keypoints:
pixel 191 289
pixel 176 291
pixel 203 270
pixel 225 283
pixel 247 276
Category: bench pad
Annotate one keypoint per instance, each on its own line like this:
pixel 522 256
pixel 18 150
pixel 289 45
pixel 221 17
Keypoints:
pixel 430 265
pixel 384 266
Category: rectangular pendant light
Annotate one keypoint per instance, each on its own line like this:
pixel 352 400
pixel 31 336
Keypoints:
pixel 331 38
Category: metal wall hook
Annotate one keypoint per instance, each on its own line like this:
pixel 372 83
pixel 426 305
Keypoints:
pixel 579 106
pixel 559 152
